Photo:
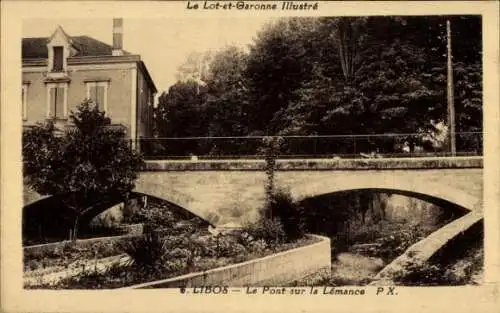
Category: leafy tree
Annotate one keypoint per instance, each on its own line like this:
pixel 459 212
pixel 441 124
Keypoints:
pixel 469 106
pixel 279 61
pixel 336 76
pixel 181 113
pixel 195 67
pixel 227 101
pixel 84 165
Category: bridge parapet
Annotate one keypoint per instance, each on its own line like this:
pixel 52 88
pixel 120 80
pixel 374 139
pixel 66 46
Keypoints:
pixel 316 164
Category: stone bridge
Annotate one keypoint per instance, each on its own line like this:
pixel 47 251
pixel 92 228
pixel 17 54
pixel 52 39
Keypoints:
pixel 224 187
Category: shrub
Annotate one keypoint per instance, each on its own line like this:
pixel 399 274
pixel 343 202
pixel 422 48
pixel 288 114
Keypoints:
pixel 270 230
pixel 147 252
pixel 157 217
pixel 225 246
pixel 289 212
pixel 258 246
pixel 397 243
pixel 426 274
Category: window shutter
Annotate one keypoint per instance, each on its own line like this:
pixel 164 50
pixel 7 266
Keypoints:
pixel 52 102
pixel 58 59
pixel 59 102
pixel 100 97
pixel 93 93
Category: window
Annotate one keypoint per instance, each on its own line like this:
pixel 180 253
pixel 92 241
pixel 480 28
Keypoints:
pixel 58 63
pixel 98 93
pixel 57 100
pixel 24 101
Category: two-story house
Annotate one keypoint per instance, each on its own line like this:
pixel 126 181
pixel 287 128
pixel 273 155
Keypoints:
pixel 61 71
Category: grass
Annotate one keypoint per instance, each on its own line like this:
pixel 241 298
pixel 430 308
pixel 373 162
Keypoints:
pixel 68 254
pixel 175 264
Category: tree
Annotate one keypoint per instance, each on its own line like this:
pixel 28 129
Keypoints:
pixel 332 76
pixel 279 61
pixel 85 165
pixel 181 113
pixel 360 75
pixel 469 106
pixel 227 101
pixel 195 67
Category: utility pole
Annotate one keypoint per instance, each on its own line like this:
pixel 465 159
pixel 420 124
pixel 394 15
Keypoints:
pixel 200 65
pixel 451 105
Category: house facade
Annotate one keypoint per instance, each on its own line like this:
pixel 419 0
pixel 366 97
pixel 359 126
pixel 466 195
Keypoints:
pixel 61 71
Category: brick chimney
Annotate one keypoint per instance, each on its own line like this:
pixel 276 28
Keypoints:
pixel 117 37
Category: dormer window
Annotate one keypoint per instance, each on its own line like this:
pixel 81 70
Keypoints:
pixel 58 61
pixel 59 47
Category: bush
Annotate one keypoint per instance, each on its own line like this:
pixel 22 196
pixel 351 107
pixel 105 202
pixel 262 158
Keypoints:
pixel 258 246
pixel 426 274
pixel 147 252
pixel 290 213
pixel 226 246
pixel 397 243
pixel 157 217
pixel 270 230
pixel 217 246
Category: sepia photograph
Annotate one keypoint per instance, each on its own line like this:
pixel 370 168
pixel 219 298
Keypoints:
pixel 328 155
pixel 354 142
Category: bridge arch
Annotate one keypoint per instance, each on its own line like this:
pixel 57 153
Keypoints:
pixel 177 209
pixel 439 194
pixel 49 212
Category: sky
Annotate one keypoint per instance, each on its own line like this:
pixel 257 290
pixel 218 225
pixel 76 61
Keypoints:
pixel 163 44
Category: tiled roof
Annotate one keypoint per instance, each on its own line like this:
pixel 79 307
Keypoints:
pixel 87 46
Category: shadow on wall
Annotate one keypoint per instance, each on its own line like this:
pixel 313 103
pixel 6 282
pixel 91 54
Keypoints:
pixel 359 215
pixel 49 220
pixel 115 215
pixel 405 209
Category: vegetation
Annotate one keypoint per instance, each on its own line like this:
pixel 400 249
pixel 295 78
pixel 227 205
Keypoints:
pixel 300 77
pixel 391 239
pixel 290 213
pixel 360 217
pixel 463 271
pixel 159 256
pixel 153 216
pixel 147 251
pixel 281 219
pixel 332 76
pixel 68 254
pixel 84 165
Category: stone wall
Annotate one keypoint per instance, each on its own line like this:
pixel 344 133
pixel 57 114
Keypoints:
pixel 219 193
pixel 274 270
pixel 422 251
pixel 317 164
pixel 51 248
